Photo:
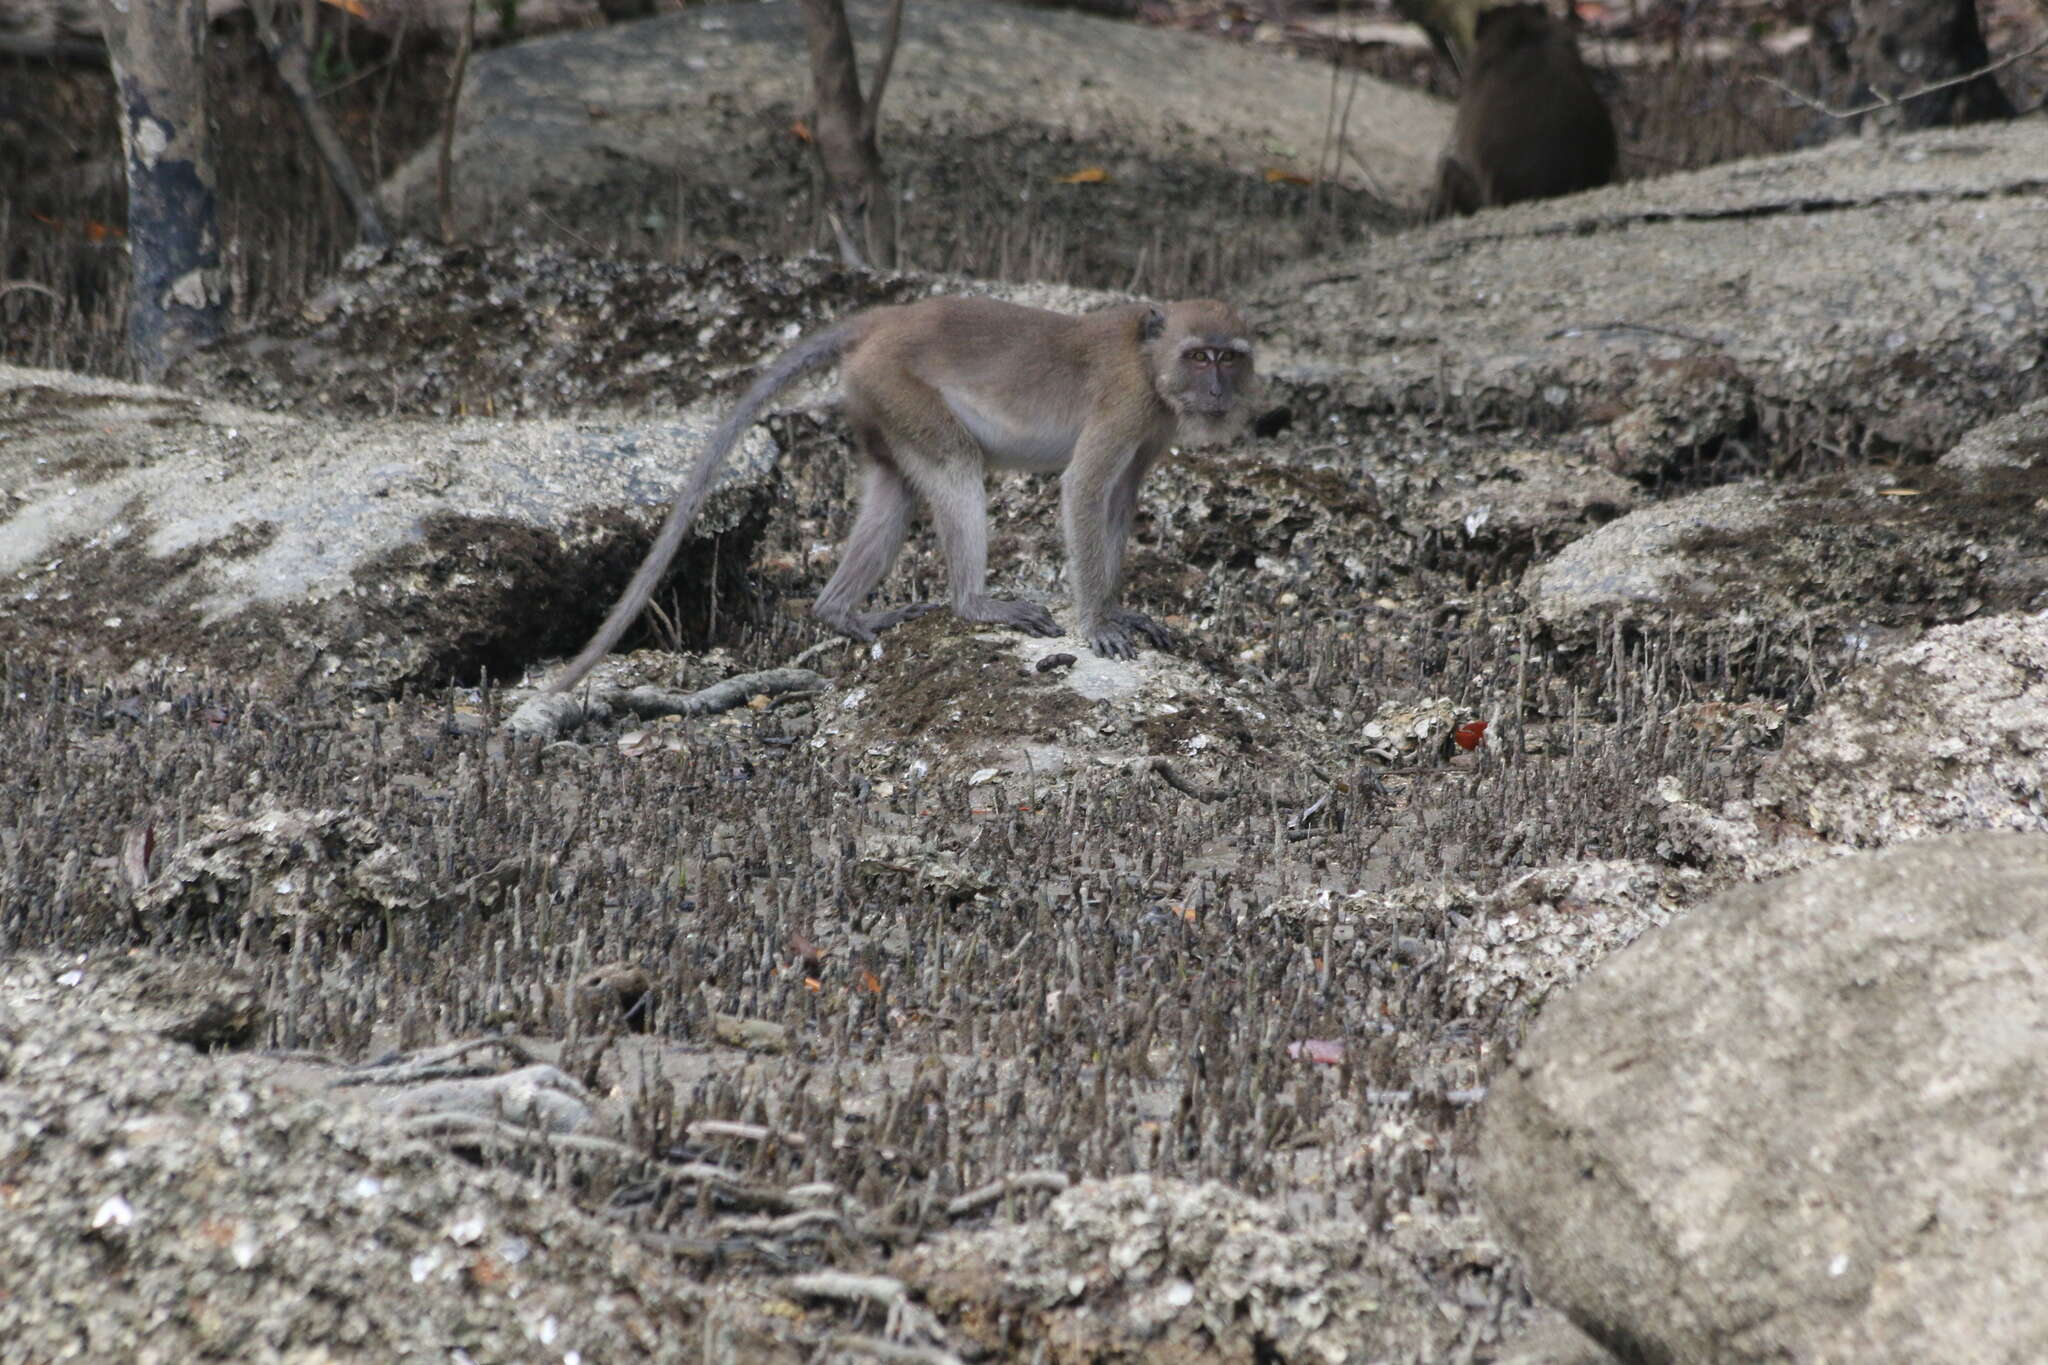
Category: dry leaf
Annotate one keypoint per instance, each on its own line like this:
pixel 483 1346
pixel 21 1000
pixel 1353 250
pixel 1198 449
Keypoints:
pixel 355 7
pixel 1087 175
pixel 801 131
pixel 1276 176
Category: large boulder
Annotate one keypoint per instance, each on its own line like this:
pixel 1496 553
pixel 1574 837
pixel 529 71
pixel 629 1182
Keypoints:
pixel 680 127
pixel 145 527
pixel 1802 1123
pixel 1707 316
pixel 1849 559
pixel 1947 734
pixel 1940 735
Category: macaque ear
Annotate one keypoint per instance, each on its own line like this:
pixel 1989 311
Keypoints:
pixel 1152 325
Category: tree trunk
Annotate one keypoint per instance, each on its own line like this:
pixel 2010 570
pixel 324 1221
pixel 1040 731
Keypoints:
pixel 1906 45
pixel 862 210
pixel 180 294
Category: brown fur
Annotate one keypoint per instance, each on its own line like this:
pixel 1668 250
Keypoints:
pixel 1530 124
pixel 941 391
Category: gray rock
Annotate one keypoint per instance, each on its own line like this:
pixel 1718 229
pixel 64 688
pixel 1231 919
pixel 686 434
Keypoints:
pixel 1638 564
pixel 599 122
pixel 1687 311
pixel 2019 440
pixel 1949 733
pixel 143 527
pixel 205 1005
pixel 1859 558
pixel 1527 500
pixel 325 867
pixel 1802 1123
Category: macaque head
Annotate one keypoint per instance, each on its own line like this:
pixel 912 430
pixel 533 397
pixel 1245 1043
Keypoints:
pixel 1201 358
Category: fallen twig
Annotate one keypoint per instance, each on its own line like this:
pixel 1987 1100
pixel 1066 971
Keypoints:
pixel 651 702
pixel 882 1291
pixel 905 1317
pixel 550 715
pixel 825 646
pixel 1171 776
pixel 782 1225
pixel 489 1132
pixel 435 1064
pixel 893 1351
pixel 703 1129
pixel 1054 1182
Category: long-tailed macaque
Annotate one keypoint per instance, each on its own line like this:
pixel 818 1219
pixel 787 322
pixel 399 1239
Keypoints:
pixel 938 393
pixel 1530 124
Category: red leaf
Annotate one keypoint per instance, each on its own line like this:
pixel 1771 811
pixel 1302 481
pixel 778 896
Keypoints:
pixel 1470 734
pixel 1326 1051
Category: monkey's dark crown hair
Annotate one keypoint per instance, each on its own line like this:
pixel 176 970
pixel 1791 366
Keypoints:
pixel 1516 21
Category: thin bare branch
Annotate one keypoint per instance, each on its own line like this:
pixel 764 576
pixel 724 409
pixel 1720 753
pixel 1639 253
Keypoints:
pixel 9 286
pixel 445 160
pixel 288 54
pixel 870 117
pixel 1894 101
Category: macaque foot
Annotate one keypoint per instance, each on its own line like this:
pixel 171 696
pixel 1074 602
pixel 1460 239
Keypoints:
pixel 864 626
pixel 1028 617
pixel 1112 638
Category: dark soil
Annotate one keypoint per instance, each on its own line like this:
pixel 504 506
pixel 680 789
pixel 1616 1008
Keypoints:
pixel 524 332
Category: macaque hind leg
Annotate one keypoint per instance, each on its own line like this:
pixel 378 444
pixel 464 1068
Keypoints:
pixel 953 488
pixel 869 553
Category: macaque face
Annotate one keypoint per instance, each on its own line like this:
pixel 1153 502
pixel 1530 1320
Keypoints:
pixel 1208 387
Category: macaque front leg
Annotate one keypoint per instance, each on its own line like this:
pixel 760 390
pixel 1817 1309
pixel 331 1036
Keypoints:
pixel 1097 502
pixel 1122 513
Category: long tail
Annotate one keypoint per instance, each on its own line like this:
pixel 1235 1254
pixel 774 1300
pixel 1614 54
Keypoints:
pixel 811 353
